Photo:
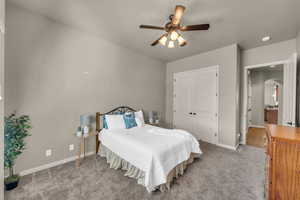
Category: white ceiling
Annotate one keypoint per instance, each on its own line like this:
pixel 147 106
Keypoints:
pixel 232 21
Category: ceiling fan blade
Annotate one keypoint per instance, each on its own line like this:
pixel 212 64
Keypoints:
pixel 152 27
pixel 178 14
pixel 197 27
pixel 156 41
pixel 183 44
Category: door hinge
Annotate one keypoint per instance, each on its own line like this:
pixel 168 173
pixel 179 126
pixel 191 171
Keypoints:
pixel 215 134
pixel 216 115
pixel 216 74
pixel 174 80
pixel 174 95
pixel 174 110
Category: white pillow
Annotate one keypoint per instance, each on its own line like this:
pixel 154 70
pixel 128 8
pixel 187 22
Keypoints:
pixel 139 122
pixel 115 122
pixel 139 118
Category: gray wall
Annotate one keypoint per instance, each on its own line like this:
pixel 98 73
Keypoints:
pixel 258 79
pixel 227 59
pixel 257 99
pixel 269 53
pixel 2 11
pixel 45 79
pixel 298 44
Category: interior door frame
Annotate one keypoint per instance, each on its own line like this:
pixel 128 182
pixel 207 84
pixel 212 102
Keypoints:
pixel 216 67
pixel 245 94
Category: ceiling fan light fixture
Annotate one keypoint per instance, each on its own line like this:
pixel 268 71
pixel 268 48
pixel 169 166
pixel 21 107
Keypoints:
pixel 266 39
pixel 163 40
pixel 171 44
pixel 173 28
pixel 174 35
pixel 181 41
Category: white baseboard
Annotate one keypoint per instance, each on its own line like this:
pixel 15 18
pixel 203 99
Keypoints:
pixel 256 126
pixel 52 164
pixel 228 146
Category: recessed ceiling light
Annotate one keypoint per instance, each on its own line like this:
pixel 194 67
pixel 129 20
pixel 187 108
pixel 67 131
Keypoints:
pixel 265 39
pixel 272 66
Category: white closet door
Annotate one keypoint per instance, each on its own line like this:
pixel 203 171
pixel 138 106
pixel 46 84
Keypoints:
pixel 195 103
pixel 289 91
pixel 181 104
pixel 204 104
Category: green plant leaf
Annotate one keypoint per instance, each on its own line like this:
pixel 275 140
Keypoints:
pixel 16 129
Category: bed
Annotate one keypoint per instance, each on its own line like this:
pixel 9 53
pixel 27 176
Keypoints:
pixel 152 155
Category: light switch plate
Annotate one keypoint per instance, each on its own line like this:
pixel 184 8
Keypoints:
pixel 48 152
pixel 71 147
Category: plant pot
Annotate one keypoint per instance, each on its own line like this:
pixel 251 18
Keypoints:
pixel 10 185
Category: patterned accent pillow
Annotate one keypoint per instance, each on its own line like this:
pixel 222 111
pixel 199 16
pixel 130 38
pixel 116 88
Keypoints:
pixel 129 119
pixel 104 122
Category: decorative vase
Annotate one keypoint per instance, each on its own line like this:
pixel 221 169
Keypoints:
pixel 79 132
pixel 86 131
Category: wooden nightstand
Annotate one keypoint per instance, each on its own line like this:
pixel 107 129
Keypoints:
pixel 81 150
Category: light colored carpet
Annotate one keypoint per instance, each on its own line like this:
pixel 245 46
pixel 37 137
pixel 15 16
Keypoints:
pixel 256 137
pixel 220 174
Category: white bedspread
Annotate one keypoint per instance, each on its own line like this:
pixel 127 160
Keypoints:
pixel 154 150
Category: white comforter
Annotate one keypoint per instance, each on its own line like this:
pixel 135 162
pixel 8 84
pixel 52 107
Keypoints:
pixel 154 150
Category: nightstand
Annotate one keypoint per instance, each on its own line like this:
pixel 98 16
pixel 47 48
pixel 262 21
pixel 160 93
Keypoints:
pixel 81 149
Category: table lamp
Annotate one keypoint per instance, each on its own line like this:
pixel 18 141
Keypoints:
pixel 153 117
pixel 85 122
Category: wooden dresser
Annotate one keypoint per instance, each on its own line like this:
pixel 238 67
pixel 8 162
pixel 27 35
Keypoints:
pixel 283 163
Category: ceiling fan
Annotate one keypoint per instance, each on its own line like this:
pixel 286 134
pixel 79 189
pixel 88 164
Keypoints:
pixel 172 29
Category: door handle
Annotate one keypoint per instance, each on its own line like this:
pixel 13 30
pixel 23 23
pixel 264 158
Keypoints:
pixel 194 113
pixel 190 113
pixel 290 123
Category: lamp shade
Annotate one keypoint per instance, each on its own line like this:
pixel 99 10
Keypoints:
pixel 150 114
pixel 85 120
pixel 153 115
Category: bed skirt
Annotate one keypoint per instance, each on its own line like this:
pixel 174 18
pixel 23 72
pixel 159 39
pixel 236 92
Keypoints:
pixel 116 162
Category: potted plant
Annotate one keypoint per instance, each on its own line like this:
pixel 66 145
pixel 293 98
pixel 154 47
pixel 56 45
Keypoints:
pixel 16 129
